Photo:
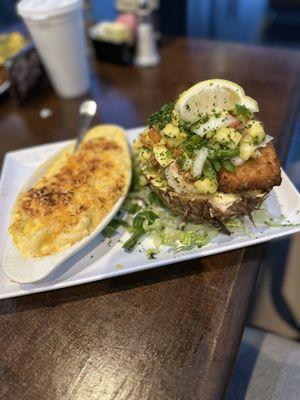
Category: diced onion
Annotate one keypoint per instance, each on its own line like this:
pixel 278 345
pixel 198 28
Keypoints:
pixel 267 140
pixel 236 161
pixel 214 123
pixel 257 154
pixel 199 162
pixel 177 181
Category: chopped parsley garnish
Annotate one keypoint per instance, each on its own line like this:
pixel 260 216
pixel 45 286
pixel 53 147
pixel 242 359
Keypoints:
pixel 243 111
pixel 202 120
pixel 161 118
pixel 185 126
pixel 151 253
pixel 193 143
pixel 188 127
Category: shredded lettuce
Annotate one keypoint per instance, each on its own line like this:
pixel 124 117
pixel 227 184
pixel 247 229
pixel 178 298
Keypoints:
pixel 263 217
pixel 145 216
pixel 112 227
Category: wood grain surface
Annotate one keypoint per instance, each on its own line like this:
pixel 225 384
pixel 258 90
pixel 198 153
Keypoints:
pixel 168 333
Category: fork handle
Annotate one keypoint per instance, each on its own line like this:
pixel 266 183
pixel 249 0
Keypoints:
pixel 84 124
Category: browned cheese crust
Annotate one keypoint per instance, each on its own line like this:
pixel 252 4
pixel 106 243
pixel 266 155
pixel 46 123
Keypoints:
pixel 67 205
pixel 261 173
pixel 56 196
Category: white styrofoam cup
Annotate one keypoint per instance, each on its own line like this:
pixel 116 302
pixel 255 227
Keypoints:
pixel 56 27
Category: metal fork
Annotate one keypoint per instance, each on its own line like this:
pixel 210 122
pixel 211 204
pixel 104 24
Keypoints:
pixel 87 111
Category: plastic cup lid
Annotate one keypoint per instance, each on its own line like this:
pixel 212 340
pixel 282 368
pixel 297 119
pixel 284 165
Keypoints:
pixel 43 9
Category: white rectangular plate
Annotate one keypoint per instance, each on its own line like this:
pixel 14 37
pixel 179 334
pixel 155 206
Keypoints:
pixel 99 260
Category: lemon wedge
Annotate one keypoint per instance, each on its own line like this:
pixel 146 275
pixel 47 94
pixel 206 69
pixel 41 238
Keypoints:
pixel 213 94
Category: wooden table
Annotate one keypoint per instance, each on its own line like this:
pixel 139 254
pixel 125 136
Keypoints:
pixel 169 333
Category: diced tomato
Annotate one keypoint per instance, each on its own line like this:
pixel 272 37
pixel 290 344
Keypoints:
pixel 176 151
pixel 234 124
pixel 154 135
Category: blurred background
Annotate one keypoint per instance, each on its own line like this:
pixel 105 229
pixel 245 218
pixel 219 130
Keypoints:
pixel 275 307
pixel 272 22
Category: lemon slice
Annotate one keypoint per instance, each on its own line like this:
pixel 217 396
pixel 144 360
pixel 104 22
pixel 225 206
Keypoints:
pixel 213 94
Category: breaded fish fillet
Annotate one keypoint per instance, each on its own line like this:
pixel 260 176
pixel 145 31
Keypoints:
pixel 261 173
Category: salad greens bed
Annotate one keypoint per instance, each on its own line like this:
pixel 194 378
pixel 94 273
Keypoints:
pixel 144 215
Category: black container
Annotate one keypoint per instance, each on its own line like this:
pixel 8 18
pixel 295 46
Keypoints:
pixel 115 53
pixel 26 75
